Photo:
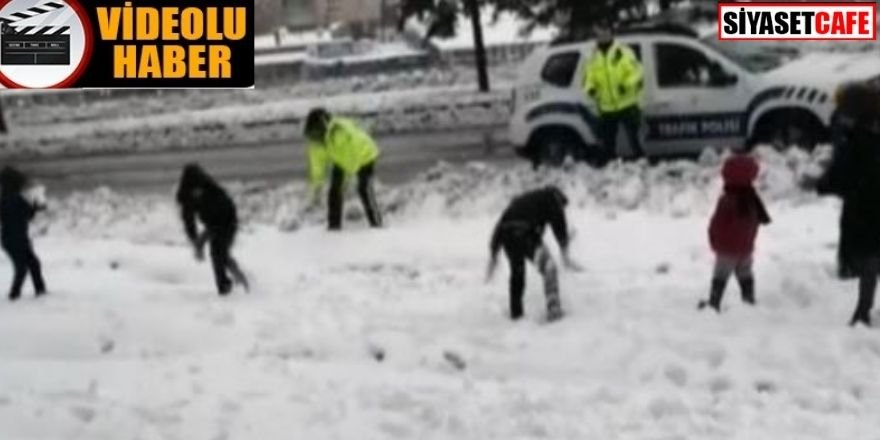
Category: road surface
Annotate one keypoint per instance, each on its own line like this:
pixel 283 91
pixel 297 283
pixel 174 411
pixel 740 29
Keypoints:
pixel 403 157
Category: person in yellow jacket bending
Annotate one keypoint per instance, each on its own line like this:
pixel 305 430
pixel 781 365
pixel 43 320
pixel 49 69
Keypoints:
pixel 339 144
pixel 614 80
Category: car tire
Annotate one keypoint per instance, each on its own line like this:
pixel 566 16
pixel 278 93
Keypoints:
pixel 553 145
pixel 790 129
pixel 553 151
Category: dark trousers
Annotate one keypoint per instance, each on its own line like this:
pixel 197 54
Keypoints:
pixel 24 261
pixel 222 261
pixel 725 266
pixel 365 191
pixel 520 245
pixel 631 119
pixel 869 268
pixel 847 267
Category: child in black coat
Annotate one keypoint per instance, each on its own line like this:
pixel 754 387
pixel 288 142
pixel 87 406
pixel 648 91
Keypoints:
pixel 520 233
pixel 854 176
pixel 16 213
pixel 199 196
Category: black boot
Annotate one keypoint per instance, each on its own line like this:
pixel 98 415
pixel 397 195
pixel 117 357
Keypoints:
pixel 554 311
pixel 517 289
pixel 867 287
pixel 860 318
pixel 516 307
pixel 862 314
pixel 224 287
pixel 715 294
pixel 747 287
pixel 516 314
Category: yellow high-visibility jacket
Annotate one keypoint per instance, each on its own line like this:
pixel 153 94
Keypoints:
pixel 614 78
pixel 346 146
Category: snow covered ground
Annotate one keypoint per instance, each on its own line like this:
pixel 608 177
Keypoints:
pixel 392 334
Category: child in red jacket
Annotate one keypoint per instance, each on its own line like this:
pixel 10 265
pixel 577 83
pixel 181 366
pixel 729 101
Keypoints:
pixel 734 227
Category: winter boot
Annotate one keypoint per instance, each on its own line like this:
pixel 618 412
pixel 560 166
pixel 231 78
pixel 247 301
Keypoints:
pixel 860 318
pixel 224 288
pixel 14 296
pixel 862 315
pixel 554 310
pixel 715 294
pixel 516 314
pixel 867 287
pixel 747 287
pixel 516 307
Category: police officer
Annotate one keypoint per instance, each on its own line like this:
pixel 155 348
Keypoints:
pixel 349 151
pixel 614 80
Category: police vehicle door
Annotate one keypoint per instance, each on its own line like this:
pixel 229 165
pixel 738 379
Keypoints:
pixel 697 100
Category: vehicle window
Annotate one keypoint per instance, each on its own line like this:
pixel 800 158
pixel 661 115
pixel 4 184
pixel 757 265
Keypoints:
pixel 754 56
pixel 560 68
pixel 682 66
pixel 637 50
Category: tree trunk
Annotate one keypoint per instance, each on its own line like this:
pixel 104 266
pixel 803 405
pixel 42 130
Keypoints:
pixel 479 46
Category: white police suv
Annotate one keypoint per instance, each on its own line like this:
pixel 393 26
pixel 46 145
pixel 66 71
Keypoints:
pixel 699 93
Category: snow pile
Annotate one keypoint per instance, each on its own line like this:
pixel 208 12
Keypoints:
pixel 103 213
pixel 678 189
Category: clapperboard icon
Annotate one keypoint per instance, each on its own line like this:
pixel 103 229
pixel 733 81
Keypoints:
pixel 34 45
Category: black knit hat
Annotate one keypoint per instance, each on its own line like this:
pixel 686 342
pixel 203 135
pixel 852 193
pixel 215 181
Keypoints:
pixel 558 194
pixel 316 123
pixel 12 180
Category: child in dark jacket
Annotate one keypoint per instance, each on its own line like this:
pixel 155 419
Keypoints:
pixel 854 176
pixel 520 233
pixel 734 227
pixel 200 196
pixel 16 214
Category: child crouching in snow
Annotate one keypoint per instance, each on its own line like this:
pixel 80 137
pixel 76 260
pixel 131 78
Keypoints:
pixel 201 197
pixel 519 232
pixel 734 227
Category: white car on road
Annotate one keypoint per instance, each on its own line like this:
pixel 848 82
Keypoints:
pixel 699 93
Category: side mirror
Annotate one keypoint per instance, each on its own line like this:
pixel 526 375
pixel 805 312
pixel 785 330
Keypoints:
pixel 718 77
pixel 730 79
